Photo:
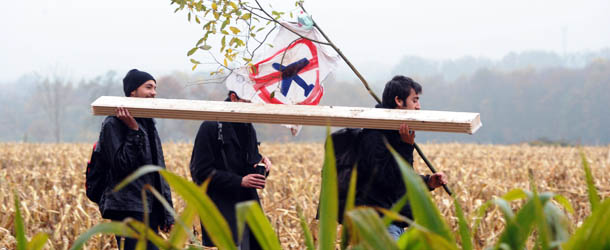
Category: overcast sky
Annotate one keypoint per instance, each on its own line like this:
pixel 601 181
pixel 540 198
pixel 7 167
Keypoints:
pixel 86 38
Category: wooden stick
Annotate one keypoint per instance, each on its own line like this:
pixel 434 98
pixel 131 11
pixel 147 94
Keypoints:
pixel 336 116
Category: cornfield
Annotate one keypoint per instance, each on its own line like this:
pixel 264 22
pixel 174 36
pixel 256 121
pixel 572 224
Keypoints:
pixel 49 180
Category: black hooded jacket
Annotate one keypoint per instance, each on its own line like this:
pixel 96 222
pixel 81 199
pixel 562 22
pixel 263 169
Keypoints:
pixel 380 181
pixel 124 151
pixel 241 150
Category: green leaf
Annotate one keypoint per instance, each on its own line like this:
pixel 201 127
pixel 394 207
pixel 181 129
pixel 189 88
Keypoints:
pixel 224 24
pixel 19 227
pixel 465 233
pixel 181 223
pixel 424 210
pixel 396 208
pixel 515 194
pixel 195 61
pixel 306 232
pixel 517 230
pixel 251 212
pixel 563 201
pixel 178 235
pixel 116 228
pixel 197 19
pixel 558 224
pixel 593 197
pixel 213 221
pixel 147 234
pixel 246 16
pixel 351 192
pixel 235 30
pixel 328 198
pixel 505 208
pixel 194 67
pixel 200 41
pixel 239 42
pixel 205 47
pixel 138 173
pixel 191 52
pixel 412 239
pixel 272 95
pixel 594 233
pixel 370 229
pixel 543 234
pixel 38 241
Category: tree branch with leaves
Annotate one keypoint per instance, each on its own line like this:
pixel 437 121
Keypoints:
pixel 240 22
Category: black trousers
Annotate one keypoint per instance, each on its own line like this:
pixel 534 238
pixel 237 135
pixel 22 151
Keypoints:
pixel 130 243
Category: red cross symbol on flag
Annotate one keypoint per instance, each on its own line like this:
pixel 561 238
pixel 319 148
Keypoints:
pixel 292 73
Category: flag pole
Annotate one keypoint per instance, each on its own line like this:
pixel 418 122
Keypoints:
pixel 366 85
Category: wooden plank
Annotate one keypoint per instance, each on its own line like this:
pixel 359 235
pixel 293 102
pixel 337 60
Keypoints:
pixel 336 116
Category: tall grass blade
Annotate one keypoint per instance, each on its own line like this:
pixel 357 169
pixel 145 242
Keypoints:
pixel 592 191
pixel 306 232
pixel 465 234
pixel 424 210
pixel 558 224
pixel 594 232
pixel 135 175
pixel 211 218
pixel 37 242
pixel 251 212
pixel 179 235
pixel 370 229
pixel 182 224
pixel 543 234
pixel 19 227
pixel 349 205
pixel 144 230
pixel 329 197
pixel 116 228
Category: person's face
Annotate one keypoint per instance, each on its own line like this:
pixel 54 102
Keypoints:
pixel 411 103
pixel 146 90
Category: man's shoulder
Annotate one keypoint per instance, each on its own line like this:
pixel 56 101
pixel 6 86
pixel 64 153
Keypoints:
pixel 209 125
pixel 111 121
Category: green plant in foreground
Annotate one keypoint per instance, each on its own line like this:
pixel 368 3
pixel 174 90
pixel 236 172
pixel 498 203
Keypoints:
pixel 37 242
pixel 364 226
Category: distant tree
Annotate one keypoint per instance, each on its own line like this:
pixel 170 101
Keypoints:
pixel 53 95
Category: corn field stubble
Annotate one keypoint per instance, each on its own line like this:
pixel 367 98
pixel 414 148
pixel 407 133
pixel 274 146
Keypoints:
pixel 49 179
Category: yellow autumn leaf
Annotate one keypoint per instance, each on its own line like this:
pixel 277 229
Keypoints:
pixel 235 30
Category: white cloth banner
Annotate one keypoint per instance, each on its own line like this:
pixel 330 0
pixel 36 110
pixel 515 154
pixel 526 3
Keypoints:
pixel 292 72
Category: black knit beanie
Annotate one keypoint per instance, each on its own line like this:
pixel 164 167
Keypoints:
pixel 134 79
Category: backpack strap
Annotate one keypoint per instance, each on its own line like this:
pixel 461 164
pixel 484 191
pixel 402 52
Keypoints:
pixel 222 146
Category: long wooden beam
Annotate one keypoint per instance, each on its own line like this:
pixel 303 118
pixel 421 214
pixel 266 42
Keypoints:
pixel 336 116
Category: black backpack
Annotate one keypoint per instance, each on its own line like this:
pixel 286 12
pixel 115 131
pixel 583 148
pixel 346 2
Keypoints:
pixel 346 142
pixel 95 176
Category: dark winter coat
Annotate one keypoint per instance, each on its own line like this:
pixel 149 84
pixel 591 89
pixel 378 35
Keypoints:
pixel 380 181
pixel 124 151
pixel 241 149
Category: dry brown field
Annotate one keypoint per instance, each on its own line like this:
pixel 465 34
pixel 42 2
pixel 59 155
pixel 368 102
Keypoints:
pixel 49 180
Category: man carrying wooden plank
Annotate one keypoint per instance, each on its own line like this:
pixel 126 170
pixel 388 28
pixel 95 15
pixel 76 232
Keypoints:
pixel 128 143
pixel 227 152
pixel 380 181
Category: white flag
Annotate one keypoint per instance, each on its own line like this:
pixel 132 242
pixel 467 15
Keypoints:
pixel 292 72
